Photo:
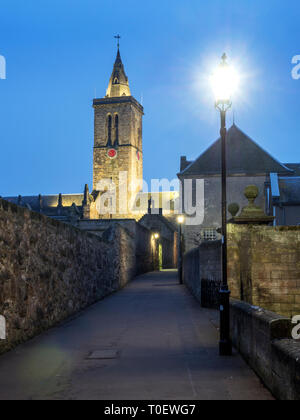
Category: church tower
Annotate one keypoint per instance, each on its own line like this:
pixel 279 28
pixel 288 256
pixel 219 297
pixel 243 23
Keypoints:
pixel 118 142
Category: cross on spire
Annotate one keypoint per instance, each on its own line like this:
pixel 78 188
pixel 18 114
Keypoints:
pixel 118 38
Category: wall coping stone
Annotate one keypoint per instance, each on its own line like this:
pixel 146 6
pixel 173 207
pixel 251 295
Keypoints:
pixel 233 226
pixel 264 339
pixel 279 326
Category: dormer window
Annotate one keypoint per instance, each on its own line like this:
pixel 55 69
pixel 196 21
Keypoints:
pixel 116 81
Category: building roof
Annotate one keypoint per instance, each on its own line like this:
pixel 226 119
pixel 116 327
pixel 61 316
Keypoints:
pixel 295 167
pixel 49 203
pixel 244 156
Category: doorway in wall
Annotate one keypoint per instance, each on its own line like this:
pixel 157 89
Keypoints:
pixel 160 257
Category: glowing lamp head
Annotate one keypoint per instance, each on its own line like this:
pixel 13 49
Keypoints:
pixel 224 82
pixel 156 236
pixel 180 219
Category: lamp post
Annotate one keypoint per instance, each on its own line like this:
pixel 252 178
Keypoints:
pixel 180 220
pixel 224 82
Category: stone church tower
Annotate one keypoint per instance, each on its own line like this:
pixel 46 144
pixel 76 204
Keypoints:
pixel 118 143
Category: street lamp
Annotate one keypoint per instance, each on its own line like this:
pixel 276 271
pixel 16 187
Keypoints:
pixel 224 83
pixel 156 237
pixel 180 220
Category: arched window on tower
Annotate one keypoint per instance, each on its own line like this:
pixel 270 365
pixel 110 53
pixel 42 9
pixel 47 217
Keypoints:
pixel 139 135
pixel 109 126
pixel 116 129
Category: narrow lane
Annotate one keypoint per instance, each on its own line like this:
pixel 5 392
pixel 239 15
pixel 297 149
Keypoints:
pixel 151 340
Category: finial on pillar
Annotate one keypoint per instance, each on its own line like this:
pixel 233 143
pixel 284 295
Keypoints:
pixel 252 213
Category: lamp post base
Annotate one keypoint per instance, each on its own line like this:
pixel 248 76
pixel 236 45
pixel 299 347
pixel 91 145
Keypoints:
pixel 225 348
pixel 180 274
pixel 225 341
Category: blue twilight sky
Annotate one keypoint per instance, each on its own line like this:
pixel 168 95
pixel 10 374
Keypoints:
pixel 60 54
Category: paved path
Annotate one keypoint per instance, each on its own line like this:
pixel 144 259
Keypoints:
pixel 167 349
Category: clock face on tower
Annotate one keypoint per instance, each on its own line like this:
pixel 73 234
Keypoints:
pixel 112 153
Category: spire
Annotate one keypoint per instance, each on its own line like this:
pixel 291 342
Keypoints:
pixel 86 195
pixel 40 198
pixel 59 204
pixel 118 83
pixel 60 201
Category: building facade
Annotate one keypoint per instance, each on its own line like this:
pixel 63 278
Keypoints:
pixel 248 164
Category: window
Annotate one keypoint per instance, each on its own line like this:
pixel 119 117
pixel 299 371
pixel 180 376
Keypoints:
pixel 117 128
pixel 109 124
pixel 209 234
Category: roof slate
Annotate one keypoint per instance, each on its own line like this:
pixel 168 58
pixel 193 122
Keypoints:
pixel 295 167
pixel 244 156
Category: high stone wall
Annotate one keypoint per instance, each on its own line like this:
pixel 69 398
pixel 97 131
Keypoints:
pixel 50 270
pixel 264 266
pixel 202 272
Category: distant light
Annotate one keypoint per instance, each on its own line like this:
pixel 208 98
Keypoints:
pixel 156 235
pixel 180 219
pixel 224 81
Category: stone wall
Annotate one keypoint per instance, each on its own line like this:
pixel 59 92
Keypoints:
pixel 50 270
pixel 264 266
pixel 264 339
pixel 202 272
pixel 191 272
pixel 143 243
pixel 143 249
